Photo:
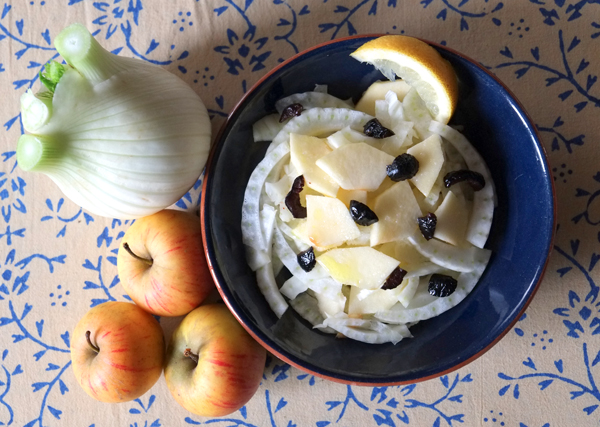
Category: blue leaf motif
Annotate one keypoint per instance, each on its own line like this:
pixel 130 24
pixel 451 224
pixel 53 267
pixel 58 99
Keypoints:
pixel 437 422
pixel 351 30
pixel 18 370
pixel 544 384
pixel 529 363
pixel 516 392
pixel 573 297
pixel 463 24
pixel 55 412
pixel 373 10
pixel 386 419
pixel 574 43
pixel 281 404
pixel 135 411
pixel 379 391
pixel 503 390
pixel 467 379
pixel 591 80
pixel 408 389
pixel 590 409
pixel 66 340
pixel 220 10
pixel 444 380
pixel 9 123
pixel 90 285
pixel 506 52
pixel 38 386
pixel 442 14
pixel 63 387
pixel 332 404
pixel 153 45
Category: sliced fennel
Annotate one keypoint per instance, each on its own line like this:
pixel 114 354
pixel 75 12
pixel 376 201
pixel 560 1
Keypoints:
pixel 327 296
pixel 119 136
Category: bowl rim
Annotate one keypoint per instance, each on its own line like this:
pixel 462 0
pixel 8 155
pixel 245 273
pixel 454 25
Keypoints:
pixel 217 142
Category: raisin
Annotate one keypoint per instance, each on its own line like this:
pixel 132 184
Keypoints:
pixel 362 214
pixel 427 225
pixel 405 166
pixel 290 111
pixel 441 285
pixel 375 129
pixel 394 279
pixel 475 179
pixel 307 260
pixel 292 200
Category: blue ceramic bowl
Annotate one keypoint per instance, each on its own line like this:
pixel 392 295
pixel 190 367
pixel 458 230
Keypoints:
pixel 521 237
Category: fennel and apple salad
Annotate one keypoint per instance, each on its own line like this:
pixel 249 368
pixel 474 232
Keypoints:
pixel 365 218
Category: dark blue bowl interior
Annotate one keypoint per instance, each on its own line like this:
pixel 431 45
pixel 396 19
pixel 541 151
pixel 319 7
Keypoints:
pixel 521 236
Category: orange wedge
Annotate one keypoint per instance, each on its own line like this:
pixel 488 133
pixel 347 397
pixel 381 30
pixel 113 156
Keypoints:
pixel 420 65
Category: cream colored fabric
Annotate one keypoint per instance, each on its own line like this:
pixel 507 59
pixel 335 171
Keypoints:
pixel 56 260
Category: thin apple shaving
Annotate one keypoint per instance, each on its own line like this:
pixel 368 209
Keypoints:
pixel 483 200
pixel 373 266
pixel 320 121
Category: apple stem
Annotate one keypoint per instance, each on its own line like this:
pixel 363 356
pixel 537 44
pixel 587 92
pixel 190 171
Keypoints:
pixel 130 252
pixel 94 347
pixel 188 353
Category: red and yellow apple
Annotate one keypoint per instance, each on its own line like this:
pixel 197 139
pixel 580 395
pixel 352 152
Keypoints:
pixel 213 366
pixel 161 263
pixel 117 351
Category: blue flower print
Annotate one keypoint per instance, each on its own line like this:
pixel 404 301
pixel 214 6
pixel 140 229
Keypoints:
pixel 239 53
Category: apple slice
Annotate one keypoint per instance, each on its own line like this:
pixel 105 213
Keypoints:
pixel 452 220
pixel 430 155
pixel 377 91
pixel 398 211
pixel 347 195
pixel 304 151
pixel 417 112
pixel 328 222
pixel 356 166
pixel 372 302
pixel 360 266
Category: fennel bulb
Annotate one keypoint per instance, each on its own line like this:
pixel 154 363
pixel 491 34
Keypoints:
pixel 120 137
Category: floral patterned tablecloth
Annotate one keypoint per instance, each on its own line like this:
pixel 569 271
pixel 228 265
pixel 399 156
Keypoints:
pixel 57 260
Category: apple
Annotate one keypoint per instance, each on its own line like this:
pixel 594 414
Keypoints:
pixel 161 263
pixel 117 351
pixel 213 366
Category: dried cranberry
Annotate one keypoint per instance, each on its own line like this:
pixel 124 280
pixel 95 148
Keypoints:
pixel 292 200
pixel 475 179
pixel 404 167
pixel 375 129
pixel 362 214
pixel 290 111
pixel 394 279
pixel 427 225
pixel 441 285
pixel 307 260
